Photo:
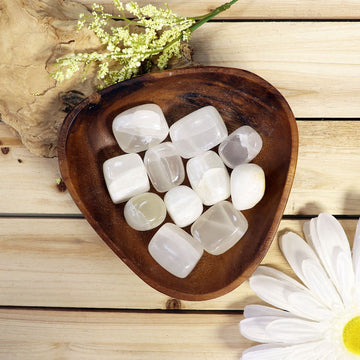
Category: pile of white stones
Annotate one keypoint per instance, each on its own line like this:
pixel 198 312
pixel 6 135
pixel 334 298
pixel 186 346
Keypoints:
pixel 144 128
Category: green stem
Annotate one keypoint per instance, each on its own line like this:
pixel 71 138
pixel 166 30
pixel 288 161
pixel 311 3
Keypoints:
pixel 205 18
pixel 124 18
pixel 202 19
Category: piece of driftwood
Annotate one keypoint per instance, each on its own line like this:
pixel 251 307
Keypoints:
pixel 32 35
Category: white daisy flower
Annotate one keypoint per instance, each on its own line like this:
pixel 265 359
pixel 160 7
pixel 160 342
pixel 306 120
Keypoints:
pixel 319 319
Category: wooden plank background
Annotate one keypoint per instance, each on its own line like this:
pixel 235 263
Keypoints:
pixel 63 292
pixel 80 335
pixel 40 266
pixel 315 65
pixel 30 183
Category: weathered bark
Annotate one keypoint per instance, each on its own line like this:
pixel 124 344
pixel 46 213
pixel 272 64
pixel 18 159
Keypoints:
pixel 33 33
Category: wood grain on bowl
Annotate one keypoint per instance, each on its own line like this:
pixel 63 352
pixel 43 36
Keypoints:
pixel 242 98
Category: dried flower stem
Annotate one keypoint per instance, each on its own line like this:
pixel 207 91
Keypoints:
pixel 124 53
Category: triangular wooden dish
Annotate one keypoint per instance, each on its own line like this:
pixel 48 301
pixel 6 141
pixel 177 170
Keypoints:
pixel 86 141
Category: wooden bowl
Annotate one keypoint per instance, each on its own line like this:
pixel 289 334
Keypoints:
pixel 86 141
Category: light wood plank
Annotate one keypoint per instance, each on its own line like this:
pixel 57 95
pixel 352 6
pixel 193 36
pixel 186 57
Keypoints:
pixel 71 335
pixel 28 182
pixel 63 263
pixel 259 9
pixel 326 177
pixel 316 66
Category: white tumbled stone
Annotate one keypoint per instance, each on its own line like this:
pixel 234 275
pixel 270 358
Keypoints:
pixel 240 147
pixel 247 185
pixel 145 211
pixel 164 166
pixel 219 228
pixel 175 250
pixel 125 177
pixel 140 127
pixel 208 177
pixel 183 204
pixel 198 131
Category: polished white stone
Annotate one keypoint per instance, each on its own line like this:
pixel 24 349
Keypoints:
pixel 145 211
pixel 247 186
pixel 183 204
pixel 197 132
pixel 209 177
pixel 140 127
pixel 125 176
pixel 164 166
pixel 240 147
pixel 175 250
pixel 219 228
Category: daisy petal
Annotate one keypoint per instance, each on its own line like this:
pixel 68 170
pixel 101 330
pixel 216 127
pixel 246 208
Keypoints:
pixel 320 284
pixel 307 267
pixel 268 271
pixel 318 350
pixel 308 306
pixel 306 231
pixel 329 240
pixel 254 328
pixel 261 310
pixel 284 292
pixel 265 352
pixel 344 269
pixel 294 331
pixel 356 253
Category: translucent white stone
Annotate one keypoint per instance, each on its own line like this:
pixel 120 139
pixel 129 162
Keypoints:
pixel 240 147
pixel 145 211
pixel 197 132
pixel 209 177
pixel 140 127
pixel 125 176
pixel 183 204
pixel 164 166
pixel 247 185
pixel 175 250
pixel 219 228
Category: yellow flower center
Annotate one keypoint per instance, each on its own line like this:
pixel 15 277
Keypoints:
pixel 351 335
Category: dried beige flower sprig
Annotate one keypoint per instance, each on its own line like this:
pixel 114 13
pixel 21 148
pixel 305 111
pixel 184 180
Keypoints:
pixel 149 36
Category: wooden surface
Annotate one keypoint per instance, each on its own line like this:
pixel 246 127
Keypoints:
pixel 65 295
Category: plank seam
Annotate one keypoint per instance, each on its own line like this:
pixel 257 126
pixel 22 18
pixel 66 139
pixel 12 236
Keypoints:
pixel 82 217
pixel 307 217
pixel 121 310
pixel 40 216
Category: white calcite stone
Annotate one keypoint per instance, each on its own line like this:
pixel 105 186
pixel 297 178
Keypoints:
pixel 145 211
pixel 209 177
pixel 175 250
pixel 247 185
pixel 240 147
pixel 197 132
pixel 219 228
pixel 140 127
pixel 125 176
pixel 164 166
pixel 183 205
